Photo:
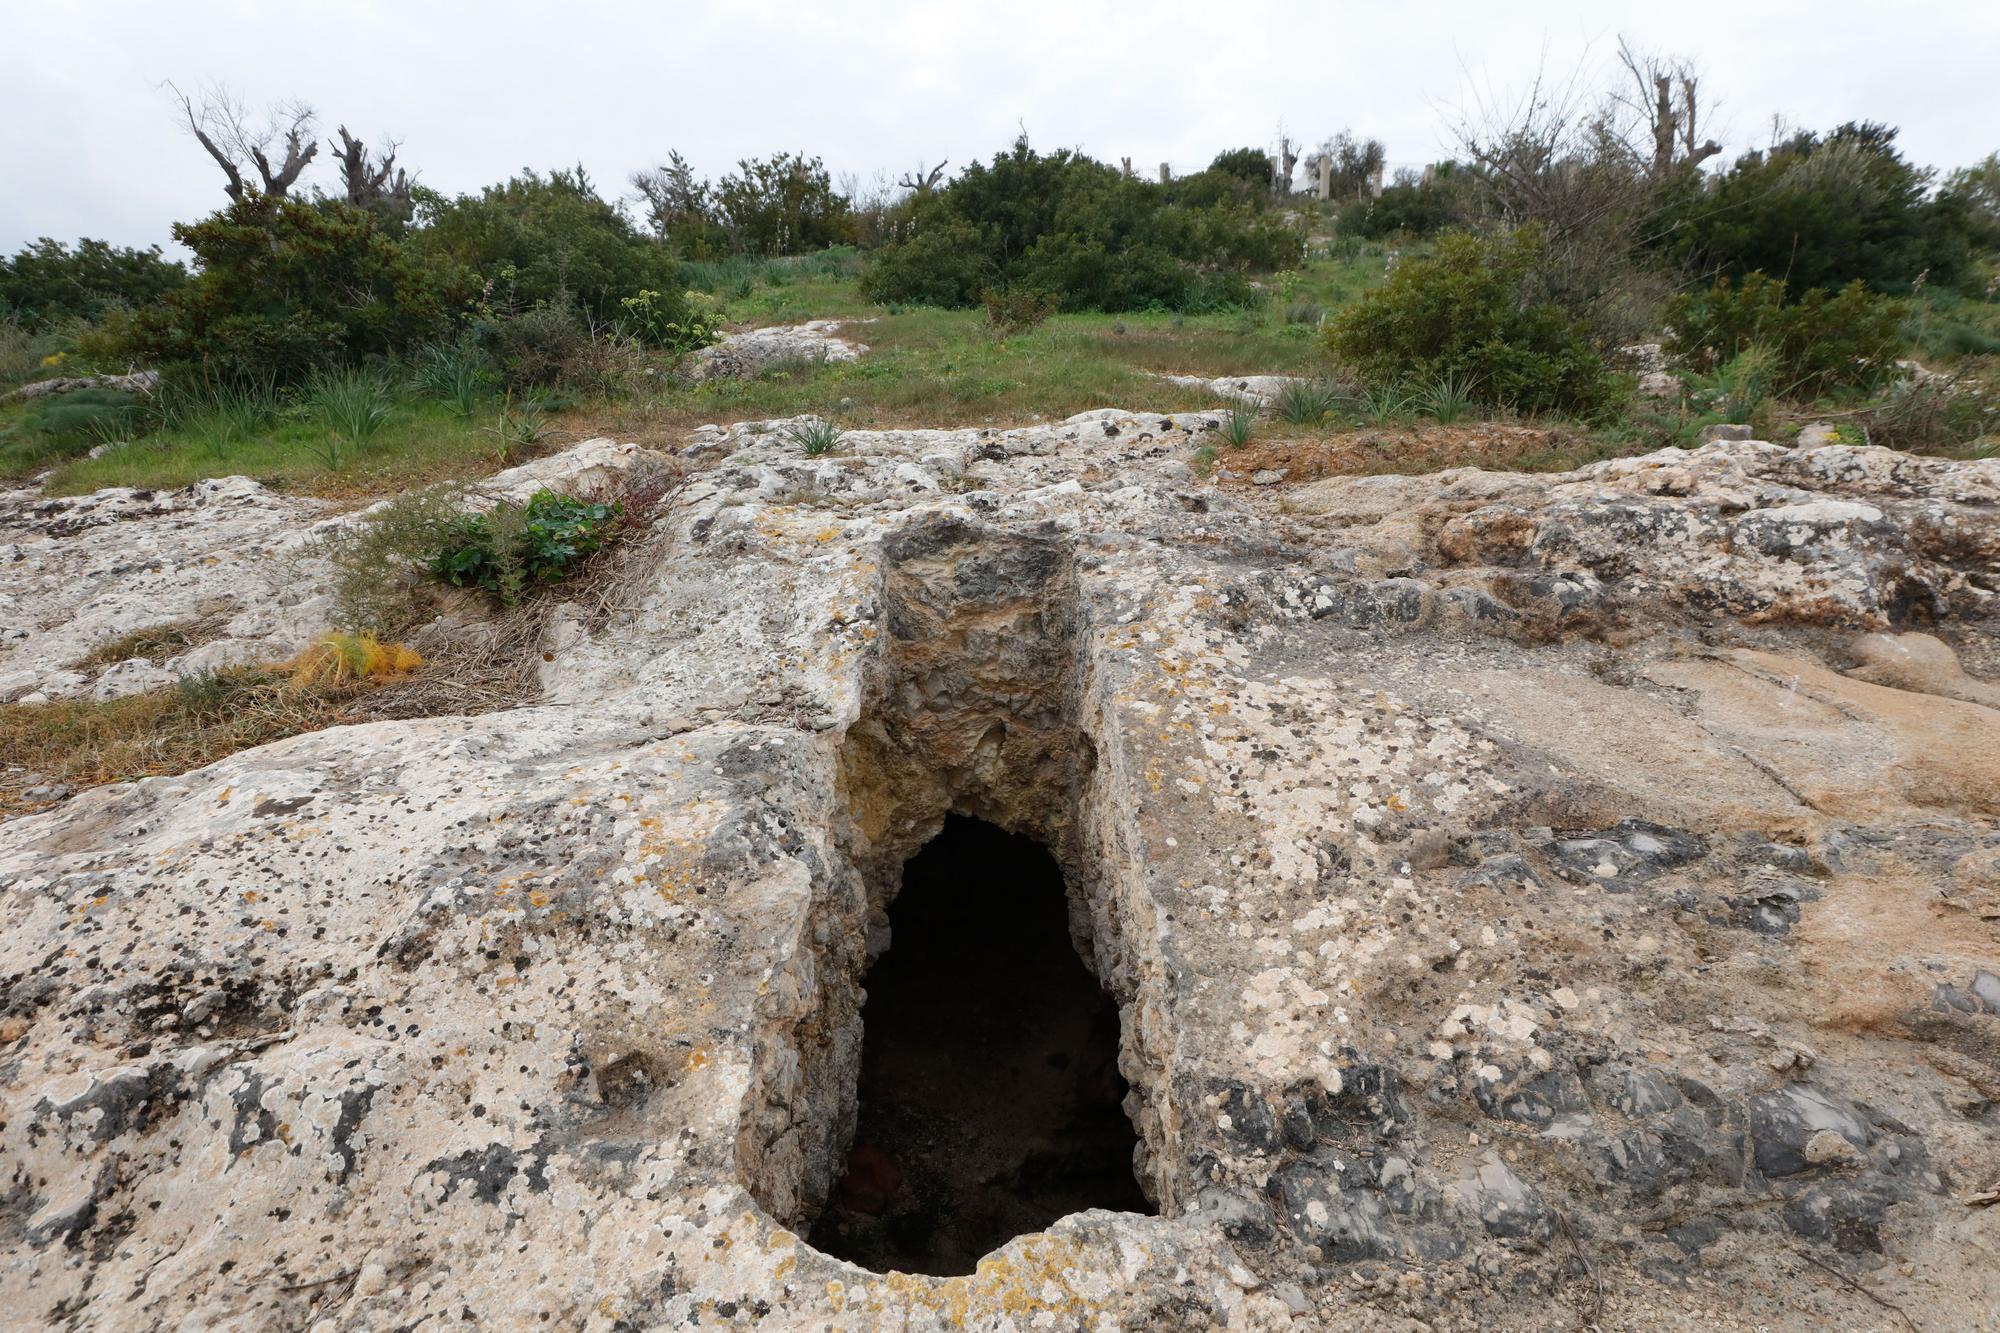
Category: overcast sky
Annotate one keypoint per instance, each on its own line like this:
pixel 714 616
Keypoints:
pixel 89 143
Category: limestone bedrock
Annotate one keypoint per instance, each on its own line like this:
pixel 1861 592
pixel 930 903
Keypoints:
pixel 1532 902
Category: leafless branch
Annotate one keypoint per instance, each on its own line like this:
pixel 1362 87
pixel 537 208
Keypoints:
pixel 923 182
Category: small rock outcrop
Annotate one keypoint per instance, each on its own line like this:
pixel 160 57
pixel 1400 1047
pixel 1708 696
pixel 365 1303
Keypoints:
pixel 750 353
pixel 79 572
pixel 138 381
pixel 1532 901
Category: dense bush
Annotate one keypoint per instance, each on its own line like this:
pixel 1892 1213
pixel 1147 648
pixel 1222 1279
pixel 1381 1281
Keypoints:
pixel 510 547
pixel 48 281
pixel 1065 224
pixel 680 327
pixel 542 346
pixel 1823 211
pixel 1975 191
pixel 1017 311
pixel 1252 166
pixel 782 205
pixel 286 288
pixel 1819 342
pixel 546 240
pixel 1469 313
pixel 1404 208
pixel 66 425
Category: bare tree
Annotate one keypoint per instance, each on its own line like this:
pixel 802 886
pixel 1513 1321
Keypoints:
pixel 371 179
pixel 1665 101
pixel 1286 161
pixel 220 123
pixel 1573 163
pixel 921 181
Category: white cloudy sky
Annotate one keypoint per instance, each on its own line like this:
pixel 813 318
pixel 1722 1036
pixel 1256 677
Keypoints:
pixel 89 143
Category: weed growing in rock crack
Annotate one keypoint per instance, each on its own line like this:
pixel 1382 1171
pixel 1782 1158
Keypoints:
pixel 342 658
pixel 508 548
pixel 196 721
pixel 1306 402
pixel 814 436
pixel 1239 425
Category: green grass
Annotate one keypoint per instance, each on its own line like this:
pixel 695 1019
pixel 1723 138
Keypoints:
pixel 420 442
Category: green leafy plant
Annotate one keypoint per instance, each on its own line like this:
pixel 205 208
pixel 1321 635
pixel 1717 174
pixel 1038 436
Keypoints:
pixel 286 288
pixel 457 373
pixel 517 428
pixel 1239 425
pixel 217 413
pixel 1306 402
pixel 678 327
pixel 511 547
pixel 1736 389
pixel 1820 342
pixel 1063 223
pixel 814 435
pixel 1381 404
pixel 1445 398
pixel 354 405
pixel 1469 310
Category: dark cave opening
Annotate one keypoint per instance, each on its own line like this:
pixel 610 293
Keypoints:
pixel 990 1101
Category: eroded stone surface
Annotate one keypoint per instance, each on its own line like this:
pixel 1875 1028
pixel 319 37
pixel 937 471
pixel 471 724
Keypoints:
pixel 79 572
pixel 1257 390
pixel 750 352
pixel 1511 885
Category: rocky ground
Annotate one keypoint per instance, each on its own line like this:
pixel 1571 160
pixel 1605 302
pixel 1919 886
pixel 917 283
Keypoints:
pixel 751 352
pixel 1533 902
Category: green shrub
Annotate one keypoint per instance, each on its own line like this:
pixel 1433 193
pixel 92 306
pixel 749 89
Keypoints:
pixel 457 372
pixel 1403 209
pixel 48 281
pixel 692 323
pixel 1824 210
pixel 1017 311
pixel 782 205
pixel 548 241
pixel 1252 166
pixel 1467 311
pixel 287 288
pixel 543 345
pixel 1820 342
pixel 511 547
pixel 1064 224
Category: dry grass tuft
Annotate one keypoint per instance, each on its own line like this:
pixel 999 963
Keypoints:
pixel 469 660
pixel 158 642
pixel 84 743
pixel 351 659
